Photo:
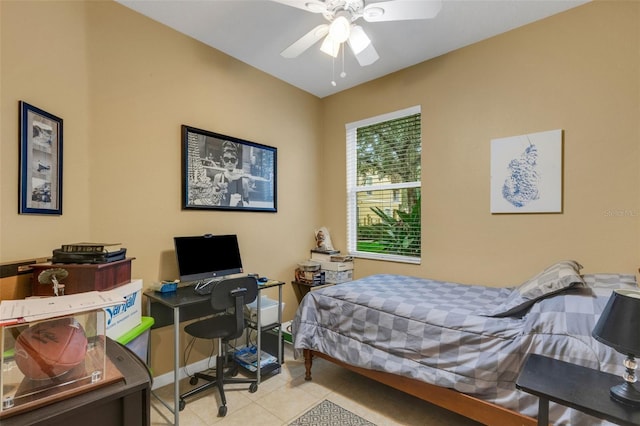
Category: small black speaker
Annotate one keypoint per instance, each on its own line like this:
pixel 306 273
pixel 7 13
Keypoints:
pixel 269 343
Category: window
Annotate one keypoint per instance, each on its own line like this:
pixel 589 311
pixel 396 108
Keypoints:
pixel 383 187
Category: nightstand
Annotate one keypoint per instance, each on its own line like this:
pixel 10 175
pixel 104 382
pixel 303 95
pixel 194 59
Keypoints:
pixel 574 386
pixel 302 288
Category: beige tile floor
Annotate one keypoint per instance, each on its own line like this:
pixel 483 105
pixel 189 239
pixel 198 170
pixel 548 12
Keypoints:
pixel 282 398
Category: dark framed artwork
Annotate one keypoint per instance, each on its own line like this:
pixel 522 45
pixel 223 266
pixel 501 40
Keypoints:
pixel 40 189
pixel 221 172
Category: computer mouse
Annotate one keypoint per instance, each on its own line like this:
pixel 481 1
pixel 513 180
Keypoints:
pixel 263 279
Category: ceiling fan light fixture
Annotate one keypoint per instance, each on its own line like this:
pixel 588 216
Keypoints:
pixel 358 40
pixel 340 28
pixel 330 46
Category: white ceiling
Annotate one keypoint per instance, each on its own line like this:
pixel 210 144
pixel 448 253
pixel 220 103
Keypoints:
pixel 255 32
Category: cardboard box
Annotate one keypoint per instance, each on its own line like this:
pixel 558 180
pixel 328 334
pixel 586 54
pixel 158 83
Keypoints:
pixel 336 266
pixel 337 277
pixel 268 311
pixel 128 315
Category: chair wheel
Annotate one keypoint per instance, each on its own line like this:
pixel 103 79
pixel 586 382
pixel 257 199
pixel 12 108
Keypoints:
pixel 253 388
pixel 181 405
pixel 193 380
pixel 222 411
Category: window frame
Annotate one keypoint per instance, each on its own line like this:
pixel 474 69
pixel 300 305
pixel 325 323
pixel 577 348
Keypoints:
pixel 353 189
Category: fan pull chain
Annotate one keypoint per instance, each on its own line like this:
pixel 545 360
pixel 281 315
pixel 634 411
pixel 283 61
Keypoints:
pixel 342 74
pixel 333 72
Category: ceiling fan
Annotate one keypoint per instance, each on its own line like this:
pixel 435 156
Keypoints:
pixel 342 16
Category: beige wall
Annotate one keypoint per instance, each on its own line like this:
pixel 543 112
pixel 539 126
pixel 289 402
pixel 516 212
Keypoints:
pixel 124 85
pixel 147 80
pixel 43 49
pixel 578 71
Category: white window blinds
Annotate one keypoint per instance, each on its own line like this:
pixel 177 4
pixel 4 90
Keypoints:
pixel 383 186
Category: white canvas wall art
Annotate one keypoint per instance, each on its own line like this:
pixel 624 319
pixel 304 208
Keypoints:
pixel 526 173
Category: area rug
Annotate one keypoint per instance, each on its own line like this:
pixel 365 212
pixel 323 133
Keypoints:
pixel 329 414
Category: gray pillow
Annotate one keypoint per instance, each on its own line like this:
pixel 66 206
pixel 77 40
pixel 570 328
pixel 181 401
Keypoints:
pixel 610 281
pixel 555 278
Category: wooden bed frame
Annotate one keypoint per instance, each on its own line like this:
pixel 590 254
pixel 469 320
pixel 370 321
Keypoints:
pixel 452 400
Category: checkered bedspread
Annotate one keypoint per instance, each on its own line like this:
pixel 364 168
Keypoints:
pixel 427 330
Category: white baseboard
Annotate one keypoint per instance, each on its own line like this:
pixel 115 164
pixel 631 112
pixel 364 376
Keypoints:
pixel 167 378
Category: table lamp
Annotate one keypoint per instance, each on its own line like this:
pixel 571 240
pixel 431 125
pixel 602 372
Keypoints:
pixel 619 328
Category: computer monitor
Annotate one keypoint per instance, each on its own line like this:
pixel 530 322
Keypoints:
pixel 207 257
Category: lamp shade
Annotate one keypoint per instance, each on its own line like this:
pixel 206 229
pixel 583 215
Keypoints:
pixel 358 40
pixel 619 324
pixel 330 46
pixel 340 28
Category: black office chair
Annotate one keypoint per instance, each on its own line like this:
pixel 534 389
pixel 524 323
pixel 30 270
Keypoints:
pixel 228 298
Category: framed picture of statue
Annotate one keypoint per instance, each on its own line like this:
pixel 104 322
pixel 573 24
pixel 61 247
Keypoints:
pixel 221 172
pixel 40 184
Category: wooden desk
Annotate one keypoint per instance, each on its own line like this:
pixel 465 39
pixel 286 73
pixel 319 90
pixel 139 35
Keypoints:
pixel 574 386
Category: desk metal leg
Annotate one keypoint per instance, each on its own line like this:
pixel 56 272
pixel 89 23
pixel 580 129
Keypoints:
pixel 280 354
pixel 543 411
pixel 259 339
pixel 176 366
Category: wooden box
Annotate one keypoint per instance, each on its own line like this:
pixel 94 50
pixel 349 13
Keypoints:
pixel 83 277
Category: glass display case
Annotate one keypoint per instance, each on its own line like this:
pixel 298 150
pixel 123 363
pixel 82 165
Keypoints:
pixel 45 361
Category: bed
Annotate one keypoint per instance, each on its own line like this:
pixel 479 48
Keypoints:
pixel 461 346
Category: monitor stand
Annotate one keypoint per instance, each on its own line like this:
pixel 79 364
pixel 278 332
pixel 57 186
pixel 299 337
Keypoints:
pixel 202 284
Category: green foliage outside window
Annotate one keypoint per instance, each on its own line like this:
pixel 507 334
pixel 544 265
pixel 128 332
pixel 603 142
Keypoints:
pixel 388 156
pixel 400 235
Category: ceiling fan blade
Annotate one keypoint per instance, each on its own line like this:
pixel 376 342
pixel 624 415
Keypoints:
pixel 306 41
pixel 314 6
pixel 399 10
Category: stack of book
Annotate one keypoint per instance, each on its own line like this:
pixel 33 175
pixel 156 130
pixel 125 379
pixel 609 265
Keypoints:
pixel 337 268
pixel 89 253
pixel 323 255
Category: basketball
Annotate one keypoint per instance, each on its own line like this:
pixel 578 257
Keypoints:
pixel 50 348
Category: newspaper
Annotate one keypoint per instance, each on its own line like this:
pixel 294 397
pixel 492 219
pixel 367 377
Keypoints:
pixel 34 309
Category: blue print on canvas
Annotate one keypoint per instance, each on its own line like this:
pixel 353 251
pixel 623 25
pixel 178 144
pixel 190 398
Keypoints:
pixel 521 186
pixel 526 173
